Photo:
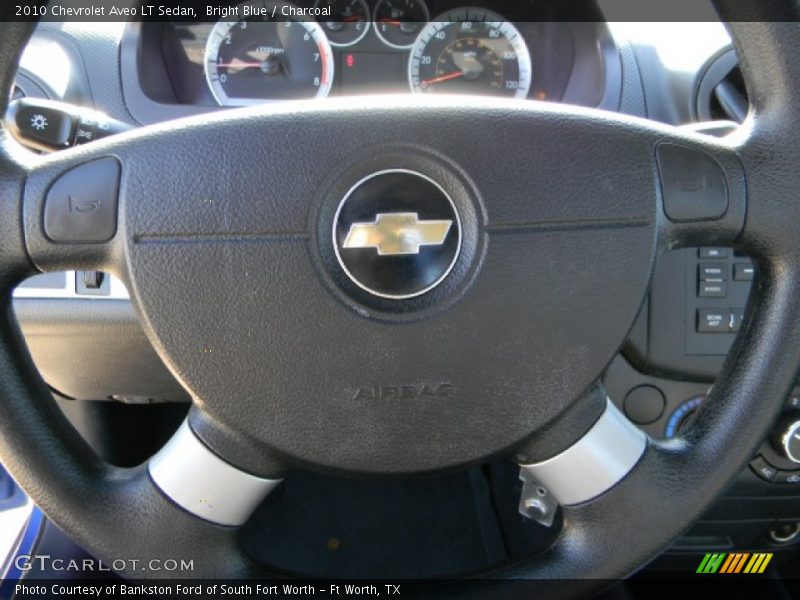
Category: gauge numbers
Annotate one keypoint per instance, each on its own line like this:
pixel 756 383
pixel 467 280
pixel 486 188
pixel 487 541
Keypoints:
pixel 348 22
pixel 398 22
pixel 259 59
pixel 471 51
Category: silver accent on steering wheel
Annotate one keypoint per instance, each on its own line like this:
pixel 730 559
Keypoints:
pixel 199 481
pixel 595 463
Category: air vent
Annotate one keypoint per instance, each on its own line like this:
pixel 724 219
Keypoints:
pixel 17 92
pixel 729 100
pixel 721 94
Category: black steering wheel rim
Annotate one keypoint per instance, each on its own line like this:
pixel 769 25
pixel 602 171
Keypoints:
pixel 100 505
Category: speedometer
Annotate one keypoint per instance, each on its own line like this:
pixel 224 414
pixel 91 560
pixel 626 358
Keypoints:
pixel 269 56
pixel 471 51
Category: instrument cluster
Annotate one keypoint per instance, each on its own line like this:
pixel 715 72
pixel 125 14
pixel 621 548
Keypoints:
pixel 273 50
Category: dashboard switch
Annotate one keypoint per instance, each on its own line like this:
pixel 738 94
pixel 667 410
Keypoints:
pixel 713 253
pixel 92 283
pixel 41 124
pixel 791 477
pixel 743 272
pixel 47 125
pixel 712 289
pixel 763 469
pixel 713 320
pixel 81 206
pixel 712 271
pixel 93 280
pixel 693 184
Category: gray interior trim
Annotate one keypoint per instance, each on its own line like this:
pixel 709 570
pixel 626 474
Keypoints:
pixel 202 483
pixel 604 74
pixel 116 290
pixel 595 463
pixel 141 107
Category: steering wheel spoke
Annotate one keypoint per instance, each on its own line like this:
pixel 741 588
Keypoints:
pixel 189 473
pixel 597 449
pixel 595 463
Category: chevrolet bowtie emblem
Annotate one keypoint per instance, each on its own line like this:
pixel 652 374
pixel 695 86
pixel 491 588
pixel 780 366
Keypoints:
pixel 397 234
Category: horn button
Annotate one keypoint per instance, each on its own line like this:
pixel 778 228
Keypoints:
pixel 389 308
pixel 397 234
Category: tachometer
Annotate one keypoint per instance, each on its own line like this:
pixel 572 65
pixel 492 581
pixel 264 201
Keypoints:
pixel 471 51
pixel 265 58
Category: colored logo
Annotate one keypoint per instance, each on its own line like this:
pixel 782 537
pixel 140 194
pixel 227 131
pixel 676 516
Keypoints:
pixel 734 562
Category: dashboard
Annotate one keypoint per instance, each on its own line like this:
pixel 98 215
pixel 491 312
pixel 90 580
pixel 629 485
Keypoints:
pixel 390 47
pixel 356 47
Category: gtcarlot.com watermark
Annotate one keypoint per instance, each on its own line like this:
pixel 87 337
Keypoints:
pixel 45 562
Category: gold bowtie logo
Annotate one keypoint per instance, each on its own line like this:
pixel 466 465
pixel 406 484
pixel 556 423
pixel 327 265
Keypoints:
pixel 397 234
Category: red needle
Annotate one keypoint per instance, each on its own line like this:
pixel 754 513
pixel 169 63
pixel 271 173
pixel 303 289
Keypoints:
pixel 390 21
pixel 238 64
pixel 436 80
pixel 352 19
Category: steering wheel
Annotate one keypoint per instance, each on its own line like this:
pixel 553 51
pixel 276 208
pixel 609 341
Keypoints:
pixel 402 286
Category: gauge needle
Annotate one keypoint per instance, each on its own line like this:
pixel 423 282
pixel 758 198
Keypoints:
pixel 443 78
pixel 390 21
pixel 237 64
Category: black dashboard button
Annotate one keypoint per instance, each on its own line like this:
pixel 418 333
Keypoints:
pixel 644 404
pixel 712 253
pixel 791 477
pixel 743 272
pixel 712 289
pixel 81 206
pixel 712 271
pixel 692 183
pixel 713 320
pixel 763 469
